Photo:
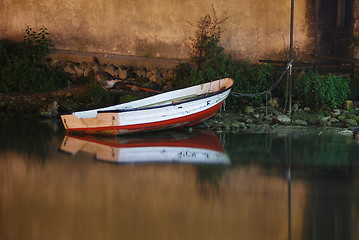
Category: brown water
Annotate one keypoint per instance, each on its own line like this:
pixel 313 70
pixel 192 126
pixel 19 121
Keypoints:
pixel 277 186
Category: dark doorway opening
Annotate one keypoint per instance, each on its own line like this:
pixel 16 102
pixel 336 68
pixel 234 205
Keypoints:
pixel 334 28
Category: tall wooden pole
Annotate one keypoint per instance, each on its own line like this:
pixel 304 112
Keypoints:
pixel 316 50
pixel 291 55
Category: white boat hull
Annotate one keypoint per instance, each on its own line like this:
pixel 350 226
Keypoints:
pixel 167 110
pixel 199 147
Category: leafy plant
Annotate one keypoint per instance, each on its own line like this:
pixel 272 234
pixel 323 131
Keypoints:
pixel 251 79
pixel 208 61
pixel 23 65
pixel 206 48
pixel 320 91
pixel 98 95
pixel 38 42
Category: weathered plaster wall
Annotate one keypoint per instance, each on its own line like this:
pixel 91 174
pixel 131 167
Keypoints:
pixel 157 28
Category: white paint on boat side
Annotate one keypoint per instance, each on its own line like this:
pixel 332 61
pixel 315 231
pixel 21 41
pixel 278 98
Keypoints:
pixel 172 154
pixel 163 98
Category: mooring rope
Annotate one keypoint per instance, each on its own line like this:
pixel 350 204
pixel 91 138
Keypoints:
pixel 269 90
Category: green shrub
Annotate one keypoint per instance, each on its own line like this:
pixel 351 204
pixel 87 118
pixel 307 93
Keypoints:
pixel 206 49
pixel 321 91
pixel 96 95
pixel 128 98
pixel 251 79
pixel 23 65
pixel 208 62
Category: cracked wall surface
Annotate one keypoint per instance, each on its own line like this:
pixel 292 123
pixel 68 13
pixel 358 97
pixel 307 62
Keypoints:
pixel 160 28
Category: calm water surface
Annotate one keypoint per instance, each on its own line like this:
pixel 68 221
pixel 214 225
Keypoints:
pixel 176 185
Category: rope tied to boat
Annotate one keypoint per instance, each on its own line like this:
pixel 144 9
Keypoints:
pixel 269 90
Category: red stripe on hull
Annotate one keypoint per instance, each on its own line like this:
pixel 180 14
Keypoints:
pixel 196 141
pixel 166 124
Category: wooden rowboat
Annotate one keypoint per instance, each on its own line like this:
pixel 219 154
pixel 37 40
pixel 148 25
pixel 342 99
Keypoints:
pixel 197 147
pixel 183 107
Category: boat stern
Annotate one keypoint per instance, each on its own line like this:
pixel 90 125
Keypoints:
pixel 107 123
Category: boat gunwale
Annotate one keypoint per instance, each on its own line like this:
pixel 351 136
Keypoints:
pixel 170 104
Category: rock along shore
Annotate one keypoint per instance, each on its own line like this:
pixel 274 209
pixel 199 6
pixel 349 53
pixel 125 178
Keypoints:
pixel 261 118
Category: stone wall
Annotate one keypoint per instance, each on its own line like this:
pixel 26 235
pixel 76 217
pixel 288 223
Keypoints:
pixel 154 78
pixel 158 28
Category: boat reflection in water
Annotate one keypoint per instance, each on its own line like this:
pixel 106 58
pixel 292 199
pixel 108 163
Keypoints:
pixel 197 147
